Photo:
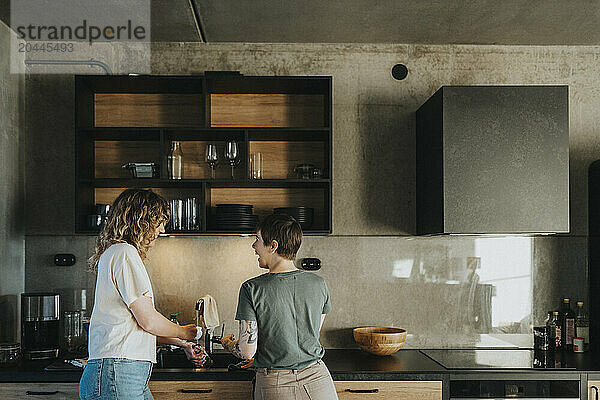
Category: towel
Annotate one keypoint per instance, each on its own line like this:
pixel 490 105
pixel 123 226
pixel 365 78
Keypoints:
pixel 211 315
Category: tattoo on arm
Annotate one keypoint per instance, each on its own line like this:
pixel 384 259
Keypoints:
pixel 251 329
pixel 248 340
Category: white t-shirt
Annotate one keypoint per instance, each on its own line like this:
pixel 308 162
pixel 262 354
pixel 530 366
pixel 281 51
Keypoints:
pixel 114 332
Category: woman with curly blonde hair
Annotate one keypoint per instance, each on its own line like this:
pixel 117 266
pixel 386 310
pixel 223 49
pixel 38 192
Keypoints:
pixel 124 326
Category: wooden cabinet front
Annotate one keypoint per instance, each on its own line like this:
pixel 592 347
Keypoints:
pixel 206 390
pixel 49 391
pixel 234 390
pixel 388 390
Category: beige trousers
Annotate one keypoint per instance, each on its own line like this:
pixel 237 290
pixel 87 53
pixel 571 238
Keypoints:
pixel 311 383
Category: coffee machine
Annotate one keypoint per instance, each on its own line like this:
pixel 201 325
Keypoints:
pixel 40 325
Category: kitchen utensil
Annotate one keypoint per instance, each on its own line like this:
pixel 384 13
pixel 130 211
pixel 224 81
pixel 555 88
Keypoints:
pixel 211 158
pixel 232 154
pixel 256 165
pixel 102 209
pixel 10 354
pixel 379 340
pixel 40 325
pixel 143 170
pixel 304 171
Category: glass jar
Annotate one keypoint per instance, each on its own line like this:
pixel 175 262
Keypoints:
pixel 10 354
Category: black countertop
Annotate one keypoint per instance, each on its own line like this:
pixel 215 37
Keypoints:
pixel 351 364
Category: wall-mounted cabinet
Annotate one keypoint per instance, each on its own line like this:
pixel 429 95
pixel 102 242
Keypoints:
pixel 493 160
pixel 135 119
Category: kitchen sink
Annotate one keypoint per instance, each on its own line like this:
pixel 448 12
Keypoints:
pixel 176 359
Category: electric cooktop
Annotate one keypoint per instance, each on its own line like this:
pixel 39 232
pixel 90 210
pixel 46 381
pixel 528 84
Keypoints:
pixel 496 359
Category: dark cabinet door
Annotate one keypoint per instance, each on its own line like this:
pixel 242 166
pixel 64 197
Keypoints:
pixel 493 159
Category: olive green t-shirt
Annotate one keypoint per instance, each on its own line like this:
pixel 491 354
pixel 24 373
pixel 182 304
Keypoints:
pixel 287 308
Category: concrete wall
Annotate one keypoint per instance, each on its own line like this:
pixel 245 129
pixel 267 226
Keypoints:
pixel 12 194
pixel 367 258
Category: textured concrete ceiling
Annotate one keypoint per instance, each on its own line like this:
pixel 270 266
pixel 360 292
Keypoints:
pixel 512 22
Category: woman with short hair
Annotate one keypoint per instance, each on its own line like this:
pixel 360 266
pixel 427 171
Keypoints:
pixel 281 313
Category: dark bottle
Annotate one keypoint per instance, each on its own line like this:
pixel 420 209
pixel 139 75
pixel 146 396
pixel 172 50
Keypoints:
pixel 550 332
pixel 554 330
pixel 568 325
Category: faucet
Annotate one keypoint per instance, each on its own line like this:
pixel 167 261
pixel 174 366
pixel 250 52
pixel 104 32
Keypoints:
pixel 209 339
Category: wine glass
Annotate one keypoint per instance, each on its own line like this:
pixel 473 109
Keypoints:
pixel 211 158
pixel 232 154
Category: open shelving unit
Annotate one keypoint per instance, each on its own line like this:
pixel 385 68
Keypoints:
pixel 122 119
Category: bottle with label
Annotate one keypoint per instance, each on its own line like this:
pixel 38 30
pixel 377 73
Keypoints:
pixel 554 330
pixel 568 325
pixel 175 163
pixel 582 324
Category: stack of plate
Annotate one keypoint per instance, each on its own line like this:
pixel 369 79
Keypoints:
pixel 303 215
pixel 235 217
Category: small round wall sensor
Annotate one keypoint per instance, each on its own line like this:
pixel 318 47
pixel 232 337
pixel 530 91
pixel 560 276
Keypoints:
pixel 399 71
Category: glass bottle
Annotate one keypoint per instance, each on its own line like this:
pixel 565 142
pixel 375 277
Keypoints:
pixel 568 325
pixel 582 324
pixel 175 161
pixel 551 338
pixel 554 330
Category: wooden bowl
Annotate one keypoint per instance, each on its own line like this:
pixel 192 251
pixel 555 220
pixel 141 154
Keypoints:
pixel 380 340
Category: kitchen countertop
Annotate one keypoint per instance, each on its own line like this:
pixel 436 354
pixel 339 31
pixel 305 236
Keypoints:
pixel 344 364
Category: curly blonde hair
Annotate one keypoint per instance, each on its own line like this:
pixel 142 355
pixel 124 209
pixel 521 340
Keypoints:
pixel 133 218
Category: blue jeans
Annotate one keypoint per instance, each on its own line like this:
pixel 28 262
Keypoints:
pixel 115 378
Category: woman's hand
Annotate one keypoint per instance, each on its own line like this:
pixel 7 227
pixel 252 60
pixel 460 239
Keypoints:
pixel 195 354
pixel 228 342
pixel 189 332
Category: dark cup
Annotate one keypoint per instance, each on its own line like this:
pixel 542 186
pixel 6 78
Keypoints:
pixel 102 209
pixel 95 221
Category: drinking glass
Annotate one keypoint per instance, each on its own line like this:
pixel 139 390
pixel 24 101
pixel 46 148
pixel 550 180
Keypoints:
pixel 177 215
pixel 72 329
pixel 232 154
pixel 211 158
pixel 256 165
pixel 191 211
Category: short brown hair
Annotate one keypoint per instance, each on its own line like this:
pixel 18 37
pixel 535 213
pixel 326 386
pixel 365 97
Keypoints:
pixel 285 230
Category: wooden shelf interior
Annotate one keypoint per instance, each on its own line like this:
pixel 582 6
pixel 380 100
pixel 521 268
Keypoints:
pixel 265 200
pixel 147 109
pixel 266 110
pixel 194 166
pixel 110 155
pixel 108 195
pixel 279 158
